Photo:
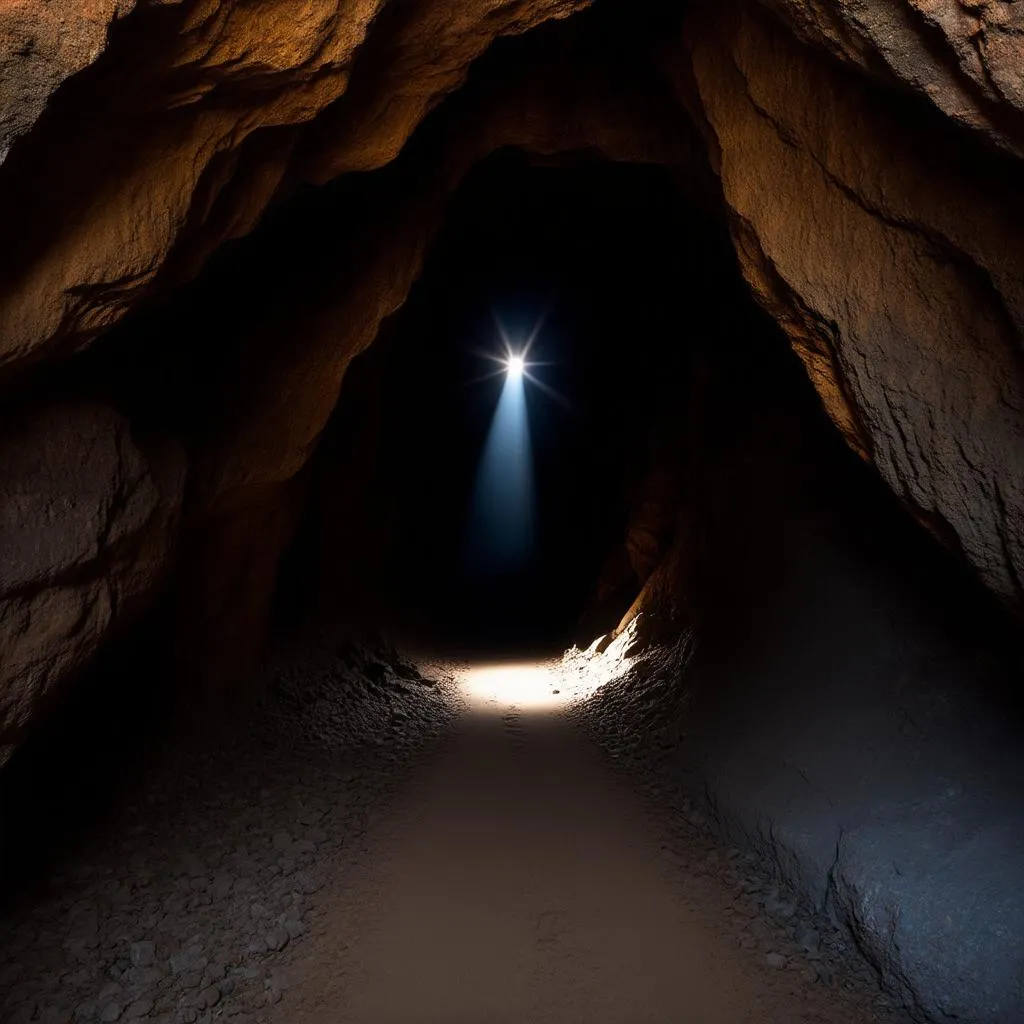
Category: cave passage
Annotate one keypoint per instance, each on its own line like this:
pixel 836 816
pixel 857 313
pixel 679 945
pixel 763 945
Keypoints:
pixel 516 877
pixel 351 673
pixel 619 279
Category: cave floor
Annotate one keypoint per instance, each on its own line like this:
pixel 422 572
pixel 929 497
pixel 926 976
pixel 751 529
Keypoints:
pixel 519 878
pixel 373 846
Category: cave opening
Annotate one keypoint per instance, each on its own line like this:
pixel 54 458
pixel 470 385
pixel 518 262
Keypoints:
pixel 623 279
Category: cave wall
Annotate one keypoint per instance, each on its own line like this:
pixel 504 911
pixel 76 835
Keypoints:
pixel 890 250
pixel 849 704
pixel 271 351
pixel 865 157
pixel 183 125
pixel 88 517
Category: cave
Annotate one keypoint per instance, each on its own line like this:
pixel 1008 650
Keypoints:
pixel 512 512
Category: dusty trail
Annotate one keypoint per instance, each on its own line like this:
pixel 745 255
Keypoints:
pixel 519 880
pixel 370 845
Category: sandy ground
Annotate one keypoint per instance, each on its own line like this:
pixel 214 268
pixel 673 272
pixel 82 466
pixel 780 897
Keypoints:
pixel 372 844
pixel 519 878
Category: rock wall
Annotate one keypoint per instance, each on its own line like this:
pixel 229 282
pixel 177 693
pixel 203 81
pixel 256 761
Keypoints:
pixel 86 521
pixel 41 46
pixel 250 411
pixel 963 58
pixel 865 733
pixel 889 247
pixel 183 128
pixel 846 702
pixel 141 137
pixel 867 158
pixel 285 362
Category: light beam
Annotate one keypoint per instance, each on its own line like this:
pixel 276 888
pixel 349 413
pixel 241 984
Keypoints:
pixel 501 530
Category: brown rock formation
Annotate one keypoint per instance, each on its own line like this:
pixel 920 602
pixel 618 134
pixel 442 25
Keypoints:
pixel 907 310
pixel 866 156
pixel 42 45
pixel 964 57
pixel 181 134
pixel 896 275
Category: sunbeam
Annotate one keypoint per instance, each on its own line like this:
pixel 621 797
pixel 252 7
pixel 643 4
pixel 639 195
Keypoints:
pixel 500 535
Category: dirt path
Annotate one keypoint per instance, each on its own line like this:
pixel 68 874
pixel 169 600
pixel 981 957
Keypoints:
pixel 519 880
pixel 369 844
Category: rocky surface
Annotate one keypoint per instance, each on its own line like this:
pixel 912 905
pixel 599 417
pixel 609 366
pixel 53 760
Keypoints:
pixel 841 204
pixel 866 157
pixel 908 315
pixel 929 905
pixel 629 703
pixel 842 702
pixel 179 906
pixel 195 899
pixel 521 861
pixel 962 57
pixel 193 151
pixel 813 128
pixel 41 46
pixel 87 521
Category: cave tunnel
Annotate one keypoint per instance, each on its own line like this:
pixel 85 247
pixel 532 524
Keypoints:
pixel 600 264
pixel 344 675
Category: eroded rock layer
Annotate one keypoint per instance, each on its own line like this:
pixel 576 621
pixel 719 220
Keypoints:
pixel 906 308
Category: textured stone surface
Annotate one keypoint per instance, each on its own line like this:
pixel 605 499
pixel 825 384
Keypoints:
pixel 879 282
pixel 191 151
pixel 192 895
pixel 906 308
pixel 834 701
pixel 964 56
pixel 42 45
pixel 86 521
pixel 871 181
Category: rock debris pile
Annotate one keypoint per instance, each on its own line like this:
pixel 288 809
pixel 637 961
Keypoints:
pixel 177 910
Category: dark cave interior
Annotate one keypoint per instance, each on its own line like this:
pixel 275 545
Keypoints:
pixel 658 363
pixel 624 274
pixel 845 703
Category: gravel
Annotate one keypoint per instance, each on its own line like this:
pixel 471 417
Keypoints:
pixel 176 907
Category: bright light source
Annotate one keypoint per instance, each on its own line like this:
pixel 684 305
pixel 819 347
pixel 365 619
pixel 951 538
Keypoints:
pixel 516 365
pixel 527 685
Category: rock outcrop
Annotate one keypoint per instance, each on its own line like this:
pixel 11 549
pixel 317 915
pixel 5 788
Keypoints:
pixel 842 702
pixel 903 301
pixel 962 57
pixel 120 192
pixel 184 128
pixel 86 518
pixel 896 274
pixel 41 46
